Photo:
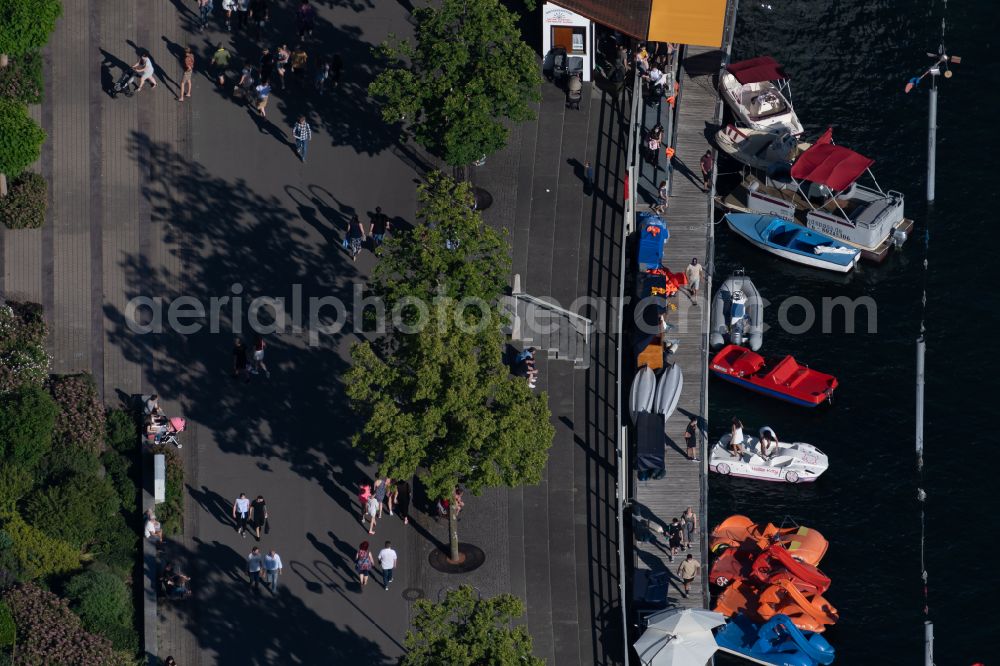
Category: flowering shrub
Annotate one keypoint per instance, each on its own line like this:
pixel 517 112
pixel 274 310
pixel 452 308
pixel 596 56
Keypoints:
pixel 22 78
pixel 81 413
pixel 26 202
pixel 50 633
pixel 23 359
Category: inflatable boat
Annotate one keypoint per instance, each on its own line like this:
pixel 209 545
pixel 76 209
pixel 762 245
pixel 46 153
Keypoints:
pixel 737 314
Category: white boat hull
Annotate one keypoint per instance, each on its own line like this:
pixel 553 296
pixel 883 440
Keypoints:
pixel 805 260
pixel 796 462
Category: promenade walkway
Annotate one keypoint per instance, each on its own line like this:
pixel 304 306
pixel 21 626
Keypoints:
pixel 152 197
pixel 689 219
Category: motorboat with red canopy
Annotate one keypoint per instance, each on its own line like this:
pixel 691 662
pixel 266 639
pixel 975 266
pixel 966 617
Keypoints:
pixel 759 93
pixel 786 380
pixel 821 191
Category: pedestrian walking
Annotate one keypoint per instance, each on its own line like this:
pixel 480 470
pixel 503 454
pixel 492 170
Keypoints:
pixel 379 490
pixel 364 493
pixel 258 516
pixel 242 13
pixel 662 198
pixel 282 57
pixel 305 17
pixel 258 357
pixel 241 513
pixel 706 169
pixel 403 501
pixel 240 362
pixel 379 226
pixel 272 567
pixel 694 273
pixel 391 494
pixel 363 563
pixel 145 68
pixel 371 513
pixel 303 134
pixel 298 61
pixel 687 571
pixel 263 93
pixel 244 87
pixel 675 541
pixel 220 64
pixel 205 9
pixel 322 75
pixel 268 61
pixel 355 237
pixel 254 564
pixel 588 178
pixel 260 13
pixel 229 6
pixel 387 560
pixel 690 519
pixel 691 439
pixel 187 74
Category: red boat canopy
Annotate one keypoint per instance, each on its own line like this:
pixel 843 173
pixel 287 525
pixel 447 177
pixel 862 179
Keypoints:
pixel 834 166
pixel 755 70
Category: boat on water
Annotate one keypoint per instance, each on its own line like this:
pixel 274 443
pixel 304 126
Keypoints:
pixel 821 191
pixel 738 532
pixel 759 149
pixel 759 93
pixel 797 462
pixel 767 567
pixel 786 380
pixel 794 242
pixel 778 641
pixel 737 314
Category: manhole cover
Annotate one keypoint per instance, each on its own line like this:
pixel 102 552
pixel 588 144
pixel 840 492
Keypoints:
pixel 413 593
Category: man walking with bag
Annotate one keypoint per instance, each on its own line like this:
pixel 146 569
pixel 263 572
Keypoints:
pixel 303 134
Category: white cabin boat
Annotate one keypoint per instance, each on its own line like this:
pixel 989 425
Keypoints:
pixel 759 94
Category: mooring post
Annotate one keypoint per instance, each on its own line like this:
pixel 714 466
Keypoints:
pixel 921 349
pixel 928 643
pixel 931 137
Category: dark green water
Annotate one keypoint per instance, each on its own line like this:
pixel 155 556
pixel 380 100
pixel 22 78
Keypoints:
pixel 849 61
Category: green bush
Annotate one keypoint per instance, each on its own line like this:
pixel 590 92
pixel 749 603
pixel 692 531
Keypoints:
pixel 50 633
pixel 117 545
pixel 74 510
pixel 64 461
pixel 22 323
pixel 15 483
pixel 34 553
pixel 121 432
pixel 104 604
pixel 26 26
pixel 20 137
pixel 118 469
pixel 8 630
pixel 171 512
pixel 27 417
pixel 81 412
pixel 26 202
pixel 21 79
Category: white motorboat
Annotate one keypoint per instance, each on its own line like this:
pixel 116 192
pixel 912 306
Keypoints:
pixel 759 149
pixel 790 463
pixel 759 94
pixel 821 192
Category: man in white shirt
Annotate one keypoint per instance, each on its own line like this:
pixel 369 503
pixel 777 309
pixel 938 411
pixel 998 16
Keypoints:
pixel 272 566
pixel 241 513
pixel 152 530
pixel 254 563
pixel 387 560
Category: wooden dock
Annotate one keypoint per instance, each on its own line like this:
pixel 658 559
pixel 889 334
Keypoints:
pixel 690 223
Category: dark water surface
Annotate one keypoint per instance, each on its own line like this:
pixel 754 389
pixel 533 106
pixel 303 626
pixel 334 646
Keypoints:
pixel 849 61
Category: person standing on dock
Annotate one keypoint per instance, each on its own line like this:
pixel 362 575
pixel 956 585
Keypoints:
pixel 706 169
pixel 694 273
pixel 687 571
pixel 691 440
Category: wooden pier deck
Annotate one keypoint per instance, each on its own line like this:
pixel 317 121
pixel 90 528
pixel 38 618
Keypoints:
pixel 689 219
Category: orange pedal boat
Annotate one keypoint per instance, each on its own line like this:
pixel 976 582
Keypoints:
pixel 803 543
pixel 807 612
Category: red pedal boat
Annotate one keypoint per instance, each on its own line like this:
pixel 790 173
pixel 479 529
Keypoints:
pixel 787 380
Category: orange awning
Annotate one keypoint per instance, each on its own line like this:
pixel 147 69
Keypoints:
pixel 695 22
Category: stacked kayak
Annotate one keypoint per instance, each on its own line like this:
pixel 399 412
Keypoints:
pixel 778 641
pixel 769 571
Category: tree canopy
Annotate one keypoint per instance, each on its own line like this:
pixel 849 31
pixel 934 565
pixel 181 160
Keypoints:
pixel 20 137
pixel 464 630
pixel 467 72
pixel 435 396
pixel 25 25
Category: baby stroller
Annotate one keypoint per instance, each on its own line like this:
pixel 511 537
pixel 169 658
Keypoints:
pixel 124 84
pixel 560 64
pixel 574 92
pixel 177 425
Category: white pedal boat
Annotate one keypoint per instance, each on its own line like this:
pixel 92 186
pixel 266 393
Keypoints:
pixel 790 463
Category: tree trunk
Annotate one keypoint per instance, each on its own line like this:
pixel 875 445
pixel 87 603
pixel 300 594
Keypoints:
pixel 3 60
pixel 3 184
pixel 453 531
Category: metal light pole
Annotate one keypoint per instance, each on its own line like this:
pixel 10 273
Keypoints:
pixel 940 67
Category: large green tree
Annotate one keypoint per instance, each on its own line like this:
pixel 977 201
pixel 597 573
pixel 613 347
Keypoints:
pixel 464 630
pixel 434 393
pixel 467 72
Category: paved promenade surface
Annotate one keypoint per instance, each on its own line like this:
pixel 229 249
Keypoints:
pixel 152 197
